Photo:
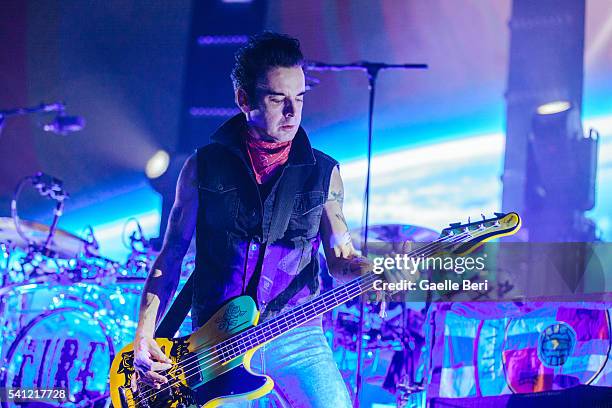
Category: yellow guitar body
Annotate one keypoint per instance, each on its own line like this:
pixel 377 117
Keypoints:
pixel 195 380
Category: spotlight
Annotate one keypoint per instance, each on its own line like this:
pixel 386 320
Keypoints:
pixel 157 164
pixel 551 108
pixel 561 175
pixel 165 185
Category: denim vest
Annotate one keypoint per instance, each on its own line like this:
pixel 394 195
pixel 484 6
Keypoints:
pixel 236 236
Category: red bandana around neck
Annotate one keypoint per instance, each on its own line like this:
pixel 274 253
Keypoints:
pixel 266 157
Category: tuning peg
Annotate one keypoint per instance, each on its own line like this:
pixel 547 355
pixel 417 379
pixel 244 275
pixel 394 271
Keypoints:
pixel 469 220
pixel 483 216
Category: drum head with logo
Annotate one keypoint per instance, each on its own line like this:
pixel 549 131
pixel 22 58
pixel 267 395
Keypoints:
pixel 66 348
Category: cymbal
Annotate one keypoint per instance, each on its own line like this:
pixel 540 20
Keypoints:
pixel 63 244
pixel 386 238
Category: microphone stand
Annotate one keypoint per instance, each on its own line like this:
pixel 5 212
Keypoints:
pixel 372 69
pixel 59 107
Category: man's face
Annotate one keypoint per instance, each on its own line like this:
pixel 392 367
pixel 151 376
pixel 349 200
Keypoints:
pixel 276 112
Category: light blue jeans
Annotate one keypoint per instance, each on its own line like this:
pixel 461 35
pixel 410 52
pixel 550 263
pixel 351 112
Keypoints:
pixel 304 372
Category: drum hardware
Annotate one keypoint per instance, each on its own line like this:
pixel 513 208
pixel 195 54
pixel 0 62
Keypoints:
pixel 138 243
pixel 143 254
pixel 391 344
pixel 64 245
pixel 6 249
pixel 92 246
pixel 410 396
pixel 47 186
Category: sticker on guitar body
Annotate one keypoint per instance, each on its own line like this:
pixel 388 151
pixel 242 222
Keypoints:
pixel 230 318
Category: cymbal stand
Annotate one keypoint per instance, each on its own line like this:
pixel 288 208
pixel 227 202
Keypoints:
pixel 46 186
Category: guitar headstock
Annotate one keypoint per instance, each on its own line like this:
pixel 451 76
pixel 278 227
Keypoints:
pixel 471 235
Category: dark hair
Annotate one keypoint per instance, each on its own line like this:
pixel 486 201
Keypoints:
pixel 262 52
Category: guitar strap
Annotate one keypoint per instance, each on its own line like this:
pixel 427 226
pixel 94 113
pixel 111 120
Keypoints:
pixel 284 200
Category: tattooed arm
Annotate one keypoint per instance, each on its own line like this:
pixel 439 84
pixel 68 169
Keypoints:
pixel 163 277
pixel 342 259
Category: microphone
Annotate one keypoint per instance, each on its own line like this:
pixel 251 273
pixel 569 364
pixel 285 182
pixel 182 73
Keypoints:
pixel 62 125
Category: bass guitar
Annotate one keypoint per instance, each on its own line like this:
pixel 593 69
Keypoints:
pixel 212 365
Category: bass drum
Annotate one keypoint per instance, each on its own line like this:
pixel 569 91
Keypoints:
pixel 68 348
pixel 25 302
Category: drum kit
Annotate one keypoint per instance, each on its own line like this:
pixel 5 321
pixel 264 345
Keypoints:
pixel 65 309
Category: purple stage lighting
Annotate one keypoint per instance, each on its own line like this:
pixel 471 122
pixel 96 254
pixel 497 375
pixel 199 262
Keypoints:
pixel 213 111
pixel 222 39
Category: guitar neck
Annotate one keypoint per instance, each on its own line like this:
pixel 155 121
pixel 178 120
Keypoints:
pixel 461 238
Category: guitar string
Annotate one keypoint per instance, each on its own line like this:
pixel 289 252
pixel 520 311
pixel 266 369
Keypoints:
pixel 454 239
pixel 448 239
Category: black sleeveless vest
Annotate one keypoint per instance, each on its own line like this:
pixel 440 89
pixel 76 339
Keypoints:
pixel 238 236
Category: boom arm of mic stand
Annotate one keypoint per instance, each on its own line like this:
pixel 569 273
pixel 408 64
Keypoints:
pixel 43 107
pixel 360 65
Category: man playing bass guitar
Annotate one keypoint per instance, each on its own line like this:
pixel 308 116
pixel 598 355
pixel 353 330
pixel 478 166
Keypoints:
pixel 260 200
